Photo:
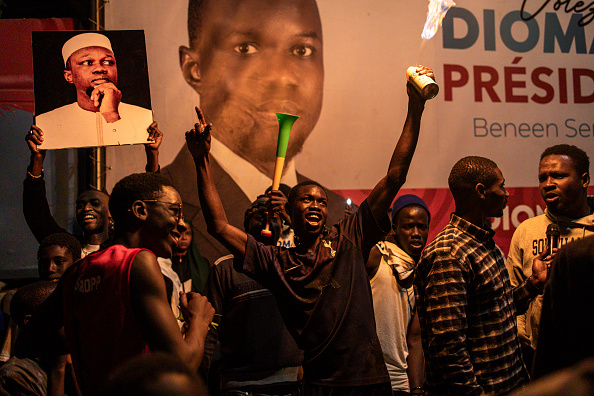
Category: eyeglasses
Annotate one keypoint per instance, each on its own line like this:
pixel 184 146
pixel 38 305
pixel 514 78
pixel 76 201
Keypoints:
pixel 178 212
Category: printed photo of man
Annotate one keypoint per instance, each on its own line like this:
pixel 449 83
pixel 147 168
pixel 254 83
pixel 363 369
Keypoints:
pixel 99 116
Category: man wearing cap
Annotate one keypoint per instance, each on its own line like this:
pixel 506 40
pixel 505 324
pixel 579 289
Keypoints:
pixel 98 117
pixel 258 353
pixel 391 266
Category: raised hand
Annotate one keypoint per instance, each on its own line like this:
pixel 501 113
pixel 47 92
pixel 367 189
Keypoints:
pixel 415 100
pixel 34 138
pixel 151 148
pixel 198 138
pixel 426 71
pixel 155 136
pixel 277 204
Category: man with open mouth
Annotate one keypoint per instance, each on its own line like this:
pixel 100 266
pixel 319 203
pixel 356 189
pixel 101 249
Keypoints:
pixel 321 284
pixel 563 176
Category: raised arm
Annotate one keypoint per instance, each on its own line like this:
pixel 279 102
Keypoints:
pixel 152 148
pixel 385 191
pixel 198 141
pixel 153 312
pixel 35 206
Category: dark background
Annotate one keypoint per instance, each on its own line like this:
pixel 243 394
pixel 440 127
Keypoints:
pixel 81 10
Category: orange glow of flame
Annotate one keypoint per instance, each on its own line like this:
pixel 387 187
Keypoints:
pixel 435 14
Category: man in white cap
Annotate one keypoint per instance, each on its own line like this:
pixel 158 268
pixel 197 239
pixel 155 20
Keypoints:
pixel 98 117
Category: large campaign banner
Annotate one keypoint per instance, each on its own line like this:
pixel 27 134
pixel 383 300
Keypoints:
pixel 515 77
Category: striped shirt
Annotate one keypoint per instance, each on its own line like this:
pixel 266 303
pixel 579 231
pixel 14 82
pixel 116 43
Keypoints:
pixel 467 310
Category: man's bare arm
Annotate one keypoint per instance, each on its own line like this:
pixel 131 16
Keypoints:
pixel 36 209
pixel 159 326
pixel 198 141
pixel 415 359
pixel 373 261
pixel 385 191
pixel 35 138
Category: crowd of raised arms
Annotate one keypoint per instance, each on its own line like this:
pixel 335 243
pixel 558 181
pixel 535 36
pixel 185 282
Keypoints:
pixel 364 305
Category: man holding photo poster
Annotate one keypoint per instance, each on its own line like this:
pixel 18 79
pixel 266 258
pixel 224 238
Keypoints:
pixel 98 117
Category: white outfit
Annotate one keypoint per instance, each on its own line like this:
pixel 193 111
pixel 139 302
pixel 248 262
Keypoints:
pixel 167 270
pixel 72 126
pixel 88 249
pixel 393 306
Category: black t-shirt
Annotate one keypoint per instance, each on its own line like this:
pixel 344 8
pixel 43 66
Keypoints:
pixel 325 300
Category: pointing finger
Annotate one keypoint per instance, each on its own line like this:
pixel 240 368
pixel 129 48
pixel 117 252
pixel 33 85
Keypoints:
pixel 200 115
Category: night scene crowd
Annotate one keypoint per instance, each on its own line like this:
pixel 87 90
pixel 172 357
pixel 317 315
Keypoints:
pixel 354 303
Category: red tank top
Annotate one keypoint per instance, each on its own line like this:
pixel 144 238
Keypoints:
pixel 100 328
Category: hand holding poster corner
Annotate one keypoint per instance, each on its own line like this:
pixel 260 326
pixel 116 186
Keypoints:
pixel 84 97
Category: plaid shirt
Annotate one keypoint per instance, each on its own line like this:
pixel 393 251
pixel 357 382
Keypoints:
pixel 467 311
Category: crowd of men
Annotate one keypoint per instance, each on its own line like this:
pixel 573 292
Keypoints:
pixel 362 304
pixel 360 308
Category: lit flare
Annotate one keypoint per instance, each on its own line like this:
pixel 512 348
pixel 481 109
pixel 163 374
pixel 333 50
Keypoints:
pixel 435 14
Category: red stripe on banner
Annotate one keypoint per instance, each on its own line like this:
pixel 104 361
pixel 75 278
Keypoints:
pixel 523 203
pixel 16 59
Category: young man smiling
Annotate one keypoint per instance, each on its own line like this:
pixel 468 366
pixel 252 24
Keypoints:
pixel 113 304
pixel 321 285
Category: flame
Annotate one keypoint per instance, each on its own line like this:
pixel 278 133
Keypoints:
pixel 435 14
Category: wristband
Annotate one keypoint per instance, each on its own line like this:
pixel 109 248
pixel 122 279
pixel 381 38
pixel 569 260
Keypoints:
pixel 32 176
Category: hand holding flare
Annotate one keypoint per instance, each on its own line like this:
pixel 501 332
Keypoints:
pixel 285 123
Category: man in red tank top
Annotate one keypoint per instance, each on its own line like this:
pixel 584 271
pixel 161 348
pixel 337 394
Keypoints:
pixel 113 303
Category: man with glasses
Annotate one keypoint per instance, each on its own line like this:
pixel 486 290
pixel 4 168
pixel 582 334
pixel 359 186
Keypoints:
pixel 173 284
pixel 114 303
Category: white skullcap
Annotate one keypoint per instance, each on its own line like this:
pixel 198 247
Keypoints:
pixel 84 40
